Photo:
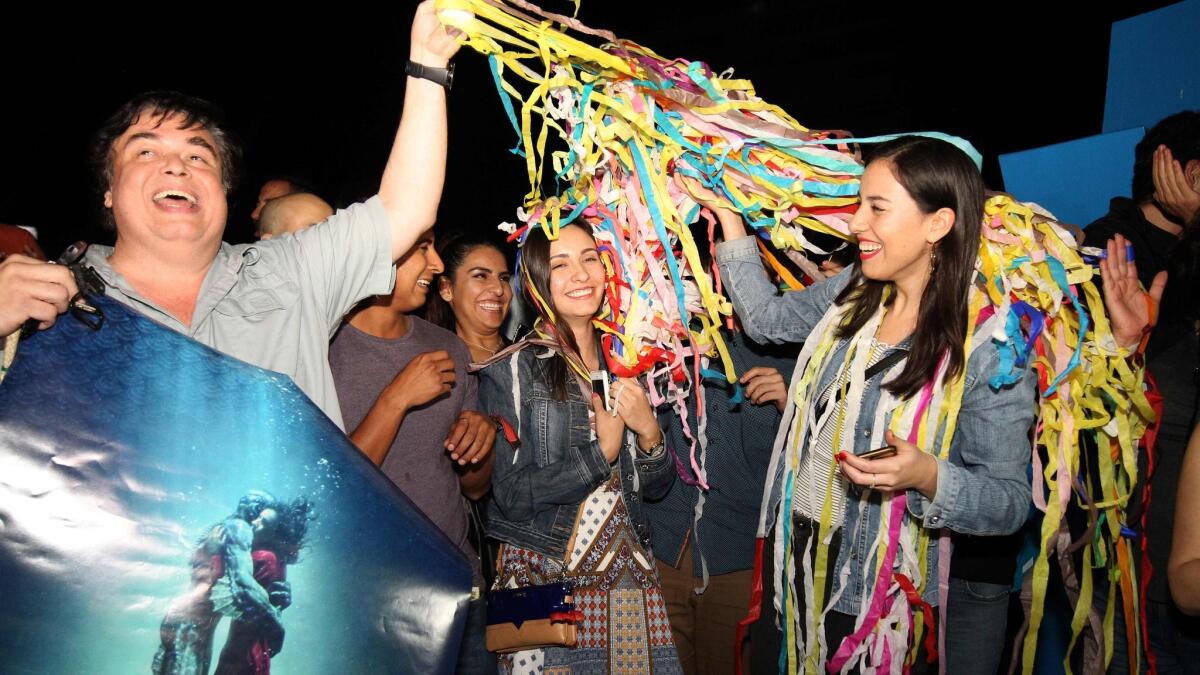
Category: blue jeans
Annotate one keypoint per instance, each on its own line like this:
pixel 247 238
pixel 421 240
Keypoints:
pixel 976 619
pixel 473 656
pixel 1175 639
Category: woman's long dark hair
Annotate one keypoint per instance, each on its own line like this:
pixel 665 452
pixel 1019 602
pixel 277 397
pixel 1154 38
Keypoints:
pixel 535 267
pixel 453 251
pixel 936 175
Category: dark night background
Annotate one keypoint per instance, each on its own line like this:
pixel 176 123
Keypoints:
pixel 318 95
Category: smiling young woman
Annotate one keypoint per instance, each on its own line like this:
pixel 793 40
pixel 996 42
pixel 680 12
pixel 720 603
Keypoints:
pixel 880 338
pixel 575 448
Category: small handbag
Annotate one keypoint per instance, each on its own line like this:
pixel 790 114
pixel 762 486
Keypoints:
pixel 531 617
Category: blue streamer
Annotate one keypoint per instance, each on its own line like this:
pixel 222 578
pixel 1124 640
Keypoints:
pixel 574 213
pixel 1059 274
pixel 507 102
pixel 738 391
pixel 816 187
pixel 703 82
pixel 957 141
pixel 1036 323
pixel 577 132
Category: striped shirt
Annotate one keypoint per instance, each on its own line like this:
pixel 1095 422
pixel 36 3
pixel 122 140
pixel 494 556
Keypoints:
pixel 808 494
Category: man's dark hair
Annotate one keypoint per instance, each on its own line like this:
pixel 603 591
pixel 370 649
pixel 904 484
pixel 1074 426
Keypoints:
pixel 298 185
pixel 194 112
pixel 1180 133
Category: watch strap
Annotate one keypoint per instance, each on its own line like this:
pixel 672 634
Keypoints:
pixel 442 76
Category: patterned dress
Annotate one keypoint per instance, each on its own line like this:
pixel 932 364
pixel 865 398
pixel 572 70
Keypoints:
pixel 625 628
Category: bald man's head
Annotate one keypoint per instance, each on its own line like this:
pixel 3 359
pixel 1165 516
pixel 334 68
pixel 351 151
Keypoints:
pixel 292 213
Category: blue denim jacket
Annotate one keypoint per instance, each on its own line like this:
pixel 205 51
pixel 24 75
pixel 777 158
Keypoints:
pixel 537 487
pixel 982 489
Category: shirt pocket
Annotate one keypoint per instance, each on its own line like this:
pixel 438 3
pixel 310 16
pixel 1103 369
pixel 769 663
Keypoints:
pixel 260 299
pixel 552 428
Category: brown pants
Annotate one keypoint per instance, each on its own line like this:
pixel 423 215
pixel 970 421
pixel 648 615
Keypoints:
pixel 704 625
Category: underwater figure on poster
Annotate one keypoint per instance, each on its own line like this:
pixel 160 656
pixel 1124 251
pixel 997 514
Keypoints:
pixel 239 570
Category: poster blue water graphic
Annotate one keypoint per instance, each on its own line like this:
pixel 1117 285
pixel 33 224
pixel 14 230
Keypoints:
pixel 154 492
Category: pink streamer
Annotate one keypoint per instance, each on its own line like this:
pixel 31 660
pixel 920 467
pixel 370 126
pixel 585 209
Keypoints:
pixel 884 582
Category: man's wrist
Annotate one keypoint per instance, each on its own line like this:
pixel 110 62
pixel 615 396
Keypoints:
pixel 649 441
pixel 443 77
pixel 428 58
pixel 398 399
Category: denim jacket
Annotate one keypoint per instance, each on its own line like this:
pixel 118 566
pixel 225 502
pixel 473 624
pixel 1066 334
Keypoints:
pixel 982 489
pixel 538 485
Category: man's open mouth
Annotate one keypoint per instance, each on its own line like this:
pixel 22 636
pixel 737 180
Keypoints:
pixel 178 196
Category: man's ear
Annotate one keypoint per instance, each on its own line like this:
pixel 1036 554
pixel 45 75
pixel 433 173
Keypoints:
pixel 1191 171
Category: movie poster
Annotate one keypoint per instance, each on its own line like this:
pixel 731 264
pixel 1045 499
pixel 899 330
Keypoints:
pixel 167 509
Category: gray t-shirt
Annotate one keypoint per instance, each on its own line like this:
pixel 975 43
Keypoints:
pixel 276 303
pixel 417 462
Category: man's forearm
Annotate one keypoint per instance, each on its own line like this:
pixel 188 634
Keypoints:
pixel 416 169
pixel 375 434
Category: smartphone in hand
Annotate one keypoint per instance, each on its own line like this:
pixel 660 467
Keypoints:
pixel 880 453
pixel 600 386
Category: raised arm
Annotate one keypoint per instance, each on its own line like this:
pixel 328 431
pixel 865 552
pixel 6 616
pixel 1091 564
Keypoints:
pixel 416 169
pixel 767 315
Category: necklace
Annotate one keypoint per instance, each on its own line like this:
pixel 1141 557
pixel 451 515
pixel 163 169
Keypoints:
pixel 489 350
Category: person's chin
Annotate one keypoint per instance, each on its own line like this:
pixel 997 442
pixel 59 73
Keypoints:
pixel 489 320
pixel 580 311
pixel 413 301
pixel 874 272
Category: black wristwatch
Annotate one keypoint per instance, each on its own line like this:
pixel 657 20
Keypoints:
pixel 442 76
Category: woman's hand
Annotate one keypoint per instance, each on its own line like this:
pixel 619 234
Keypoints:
pixel 908 468
pixel 732 226
pixel 765 385
pixel 829 268
pixel 471 438
pixel 1124 299
pixel 628 401
pixel 610 430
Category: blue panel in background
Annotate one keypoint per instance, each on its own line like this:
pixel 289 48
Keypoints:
pixel 133 467
pixel 1153 66
pixel 1076 179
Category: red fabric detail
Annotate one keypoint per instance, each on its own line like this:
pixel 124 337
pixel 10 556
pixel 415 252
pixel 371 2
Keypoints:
pixel 510 434
pixel 1043 380
pixel 754 611
pixel 516 234
pixel 1149 439
pixel 644 362
pixel 267 568
pixel 566 617
pixel 915 600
